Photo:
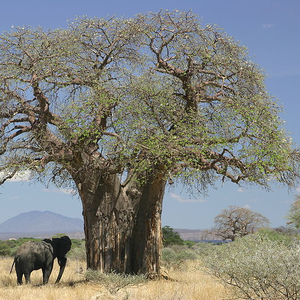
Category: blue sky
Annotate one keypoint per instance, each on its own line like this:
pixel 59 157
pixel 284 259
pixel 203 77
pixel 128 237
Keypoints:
pixel 269 28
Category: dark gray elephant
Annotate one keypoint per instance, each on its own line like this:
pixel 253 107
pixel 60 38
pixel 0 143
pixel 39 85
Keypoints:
pixel 34 255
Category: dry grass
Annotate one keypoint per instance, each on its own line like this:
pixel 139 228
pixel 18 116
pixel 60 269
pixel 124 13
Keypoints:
pixel 189 283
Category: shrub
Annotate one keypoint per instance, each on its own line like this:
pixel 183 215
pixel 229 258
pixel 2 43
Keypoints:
pixel 203 248
pixel 276 235
pixel 4 249
pixel 189 243
pixel 171 237
pixel 168 257
pixel 112 281
pixel 77 251
pixel 258 267
pixel 176 256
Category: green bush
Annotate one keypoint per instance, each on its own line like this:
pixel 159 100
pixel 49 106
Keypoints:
pixel 77 251
pixel 258 267
pixel 176 256
pixel 189 243
pixel 203 248
pixel 168 257
pixel 286 238
pixel 10 247
pixel 4 249
pixel 171 237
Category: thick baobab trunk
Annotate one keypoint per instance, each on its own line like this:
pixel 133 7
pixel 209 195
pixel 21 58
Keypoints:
pixel 147 236
pixel 123 224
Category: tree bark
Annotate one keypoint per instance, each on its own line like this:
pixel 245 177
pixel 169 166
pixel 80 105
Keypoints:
pixel 123 224
pixel 147 233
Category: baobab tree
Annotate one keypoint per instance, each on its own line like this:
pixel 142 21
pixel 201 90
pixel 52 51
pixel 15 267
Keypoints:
pixel 120 107
pixel 234 221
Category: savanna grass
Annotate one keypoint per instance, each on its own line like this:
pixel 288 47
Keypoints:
pixel 186 283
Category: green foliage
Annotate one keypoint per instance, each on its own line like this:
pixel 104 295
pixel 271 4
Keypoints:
pixel 120 88
pixel 176 256
pixel 189 243
pixel 9 247
pixel 204 249
pixel 259 266
pixel 78 251
pixel 156 95
pixel 171 237
pixel 58 235
pixel 294 213
pixel 277 236
pixel 4 249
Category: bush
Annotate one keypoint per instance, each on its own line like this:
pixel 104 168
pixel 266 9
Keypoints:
pixel 77 251
pixel 176 256
pixel 285 237
pixel 171 237
pixel 203 248
pixel 10 247
pixel 258 267
pixel 4 249
pixel 112 281
pixel 189 243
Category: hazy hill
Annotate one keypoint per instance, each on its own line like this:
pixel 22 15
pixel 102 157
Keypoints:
pixel 34 222
pixel 42 224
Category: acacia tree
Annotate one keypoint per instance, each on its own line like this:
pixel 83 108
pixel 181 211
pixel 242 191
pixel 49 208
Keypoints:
pixel 171 237
pixel 293 216
pixel 235 222
pixel 119 107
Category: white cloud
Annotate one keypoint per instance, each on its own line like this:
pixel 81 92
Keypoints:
pixel 240 190
pixel 183 200
pixel 20 176
pixel 247 206
pixel 268 26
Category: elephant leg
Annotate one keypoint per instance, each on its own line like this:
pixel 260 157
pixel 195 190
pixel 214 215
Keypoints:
pixel 46 274
pixel 19 277
pixel 27 277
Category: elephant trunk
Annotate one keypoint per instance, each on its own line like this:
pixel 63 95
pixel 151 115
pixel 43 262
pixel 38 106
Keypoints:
pixel 62 263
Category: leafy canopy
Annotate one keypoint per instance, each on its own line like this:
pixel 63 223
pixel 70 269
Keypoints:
pixel 128 95
pixel 171 237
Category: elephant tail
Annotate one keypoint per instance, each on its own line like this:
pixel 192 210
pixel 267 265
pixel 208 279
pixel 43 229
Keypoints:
pixel 12 266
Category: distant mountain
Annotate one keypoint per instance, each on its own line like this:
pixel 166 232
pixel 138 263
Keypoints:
pixel 41 222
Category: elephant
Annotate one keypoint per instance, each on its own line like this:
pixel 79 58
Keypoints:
pixel 34 255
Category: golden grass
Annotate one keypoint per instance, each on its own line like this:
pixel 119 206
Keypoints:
pixel 189 283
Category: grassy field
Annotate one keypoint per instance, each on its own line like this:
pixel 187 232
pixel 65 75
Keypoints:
pixel 187 283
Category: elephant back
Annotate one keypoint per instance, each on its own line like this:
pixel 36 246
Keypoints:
pixel 33 255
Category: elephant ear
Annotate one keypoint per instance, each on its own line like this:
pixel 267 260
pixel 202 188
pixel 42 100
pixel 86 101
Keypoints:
pixel 64 245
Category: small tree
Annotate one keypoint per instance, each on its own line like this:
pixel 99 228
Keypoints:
pixel 171 237
pixel 236 222
pixel 293 216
